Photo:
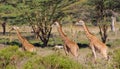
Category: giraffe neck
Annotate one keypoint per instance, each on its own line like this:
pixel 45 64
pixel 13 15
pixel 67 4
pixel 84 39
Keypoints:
pixel 19 36
pixel 61 33
pixel 88 34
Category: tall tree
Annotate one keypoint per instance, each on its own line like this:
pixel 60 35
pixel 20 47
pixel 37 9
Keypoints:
pixel 103 11
pixel 42 15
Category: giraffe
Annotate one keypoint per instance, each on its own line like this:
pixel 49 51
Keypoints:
pixel 69 45
pixel 25 44
pixel 95 43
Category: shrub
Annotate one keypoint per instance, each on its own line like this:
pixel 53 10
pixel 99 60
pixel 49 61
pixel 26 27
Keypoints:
pixel 54 61
pixel 10 54
pixel 34 63
pixel 60 62
pixel 5 55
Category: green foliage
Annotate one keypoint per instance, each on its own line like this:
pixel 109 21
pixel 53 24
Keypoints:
pixel 103 8
pixel 11 54
pixel 34 63
pixel 55 61
pixel 43 14
pixel 61 62
pixel 8 52
pixel 110 4
pixel 116 59
pixel 6 8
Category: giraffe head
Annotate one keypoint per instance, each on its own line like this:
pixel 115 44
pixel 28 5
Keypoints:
pixel 80 22
pixel 56 23
pixel 14 28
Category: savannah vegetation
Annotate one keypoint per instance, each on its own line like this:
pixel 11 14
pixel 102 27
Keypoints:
pixel 35 19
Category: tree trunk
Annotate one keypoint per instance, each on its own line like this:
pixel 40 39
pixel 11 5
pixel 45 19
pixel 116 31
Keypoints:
pixel 4 27
pixel 45 43
pixel 44 36
pixel 103 32
pixel 113 23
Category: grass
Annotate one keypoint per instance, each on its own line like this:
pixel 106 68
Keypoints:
pixel 114 43
pixel 116 59
pixel 56 40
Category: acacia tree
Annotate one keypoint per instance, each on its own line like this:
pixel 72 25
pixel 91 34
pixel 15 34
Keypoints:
pixel 102 14
pixel 40 14
pixel 43 13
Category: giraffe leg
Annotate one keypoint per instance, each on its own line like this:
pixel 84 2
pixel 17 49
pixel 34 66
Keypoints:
pixel 93 51
pixel 104 53
pixel 65 49
pixel 76 54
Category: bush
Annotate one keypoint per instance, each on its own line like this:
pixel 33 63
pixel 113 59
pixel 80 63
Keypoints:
pixel 60 62
pixel 10 57
pixel 53 62
pixel 10 54
pixel 34 63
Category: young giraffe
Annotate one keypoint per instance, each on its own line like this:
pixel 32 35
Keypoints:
pixel 69 45
pixel 26 45
pixel 95 43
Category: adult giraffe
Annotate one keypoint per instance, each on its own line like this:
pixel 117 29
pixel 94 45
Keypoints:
pixel 95 43
pixel 69 45
pixel 26 45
